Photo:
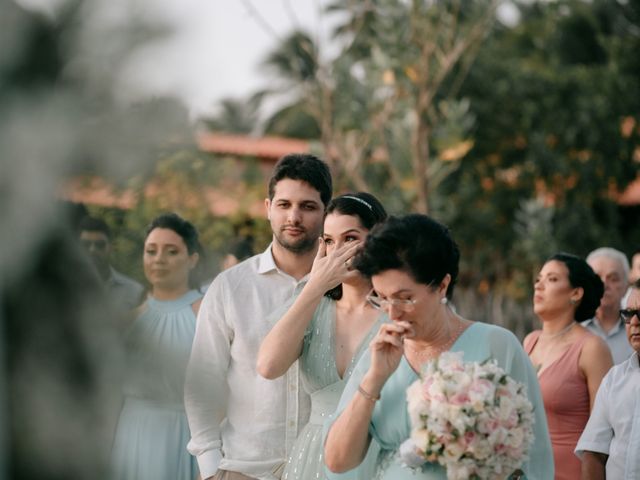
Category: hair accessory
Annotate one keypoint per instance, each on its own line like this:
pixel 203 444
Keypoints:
pixel 358 200
pixel 444 300
pixel 367 395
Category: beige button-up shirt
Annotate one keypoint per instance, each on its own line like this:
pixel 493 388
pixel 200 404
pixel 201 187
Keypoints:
pixel 240 421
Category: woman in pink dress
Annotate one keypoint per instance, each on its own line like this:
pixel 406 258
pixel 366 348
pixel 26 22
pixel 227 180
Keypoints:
pixel 570 360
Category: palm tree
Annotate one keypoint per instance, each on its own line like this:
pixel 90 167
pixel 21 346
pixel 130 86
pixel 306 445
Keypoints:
pixel 234 115
pixel 294 67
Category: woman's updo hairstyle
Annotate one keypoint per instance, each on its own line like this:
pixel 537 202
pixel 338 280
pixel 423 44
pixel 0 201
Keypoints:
pixel 581 275
pixel 415 244
pixel 189 234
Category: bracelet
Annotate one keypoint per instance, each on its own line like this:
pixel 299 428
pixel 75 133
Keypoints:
pixel 367 395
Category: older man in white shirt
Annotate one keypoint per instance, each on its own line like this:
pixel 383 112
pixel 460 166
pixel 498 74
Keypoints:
pixel 610 442
pixel 243 425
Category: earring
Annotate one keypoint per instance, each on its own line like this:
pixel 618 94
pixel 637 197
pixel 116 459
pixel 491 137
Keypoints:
pixel 444 300
pixel 573 301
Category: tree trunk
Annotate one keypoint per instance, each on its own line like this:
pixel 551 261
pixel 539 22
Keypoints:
pixel 420 161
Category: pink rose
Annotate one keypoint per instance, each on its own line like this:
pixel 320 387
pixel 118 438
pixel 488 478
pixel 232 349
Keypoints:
pixel 460 398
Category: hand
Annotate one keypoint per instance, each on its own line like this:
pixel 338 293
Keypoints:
pixel 330 269
pixel 387 348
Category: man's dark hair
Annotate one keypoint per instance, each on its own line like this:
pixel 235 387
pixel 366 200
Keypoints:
pixel 93 224
pixel 307 168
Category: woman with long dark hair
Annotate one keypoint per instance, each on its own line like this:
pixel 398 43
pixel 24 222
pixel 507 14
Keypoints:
pixel 570 360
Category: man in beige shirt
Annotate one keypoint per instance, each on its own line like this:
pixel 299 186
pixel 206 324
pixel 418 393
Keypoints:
pixel 242 425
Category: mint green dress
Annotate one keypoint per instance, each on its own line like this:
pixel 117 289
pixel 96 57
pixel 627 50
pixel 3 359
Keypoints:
pixel 390 425
pixel 321 381
pixel 152 433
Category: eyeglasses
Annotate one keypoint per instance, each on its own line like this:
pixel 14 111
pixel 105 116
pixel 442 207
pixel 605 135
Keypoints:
pixel 376 302
pixel 97 244
pixel 628 313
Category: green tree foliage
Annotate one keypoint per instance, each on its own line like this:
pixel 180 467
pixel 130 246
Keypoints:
pixel 234 116
pixel 551 99
pixel 386 109
pixel 294 64
pixel 520 135
pixel 181 181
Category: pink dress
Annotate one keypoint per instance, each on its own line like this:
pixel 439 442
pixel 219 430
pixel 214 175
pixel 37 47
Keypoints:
pixel 566 403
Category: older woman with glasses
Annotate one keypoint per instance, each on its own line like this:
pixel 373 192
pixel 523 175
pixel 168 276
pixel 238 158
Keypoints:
pixel 412 262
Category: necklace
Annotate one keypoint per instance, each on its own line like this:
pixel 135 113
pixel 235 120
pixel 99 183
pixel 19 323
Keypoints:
pixel 434 352
pixel 557 334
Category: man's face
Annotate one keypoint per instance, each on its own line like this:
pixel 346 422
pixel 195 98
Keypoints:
pixel 97 246
pixel 615 282
pixel 634 274
pixel 296 213
pixel 633 327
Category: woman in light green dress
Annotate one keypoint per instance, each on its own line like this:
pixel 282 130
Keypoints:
pixel 152 433
pixel 327 326
pixel 413 264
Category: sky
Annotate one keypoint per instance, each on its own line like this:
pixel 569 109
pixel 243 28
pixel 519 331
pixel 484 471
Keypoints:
pixel 217 48
pixel 219 44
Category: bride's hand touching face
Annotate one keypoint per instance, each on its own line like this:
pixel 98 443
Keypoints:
pixel 343 237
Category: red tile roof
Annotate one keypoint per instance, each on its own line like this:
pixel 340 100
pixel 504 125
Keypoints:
pixel 242 145
pixel 96 191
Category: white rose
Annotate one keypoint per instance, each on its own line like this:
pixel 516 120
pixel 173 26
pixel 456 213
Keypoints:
pixel 453 451
pixel 420 438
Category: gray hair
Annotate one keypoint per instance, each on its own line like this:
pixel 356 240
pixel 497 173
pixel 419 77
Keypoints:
pixel 612 254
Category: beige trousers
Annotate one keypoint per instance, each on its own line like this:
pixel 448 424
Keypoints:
pixel 227 475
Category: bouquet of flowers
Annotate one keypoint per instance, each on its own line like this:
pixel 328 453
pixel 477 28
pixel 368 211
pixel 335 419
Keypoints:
pixel 471 418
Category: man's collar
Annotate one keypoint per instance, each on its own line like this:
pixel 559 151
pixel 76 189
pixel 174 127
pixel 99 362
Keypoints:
pixel 619 325
pixel 266 263
pixel 634 361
